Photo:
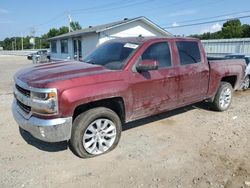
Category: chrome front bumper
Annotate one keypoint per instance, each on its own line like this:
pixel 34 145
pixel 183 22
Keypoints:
pixel 49 130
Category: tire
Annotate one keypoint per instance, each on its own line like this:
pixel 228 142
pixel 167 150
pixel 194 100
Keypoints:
pixel 87 141
pixel 37 60
pixel 223 97
pixel 246 83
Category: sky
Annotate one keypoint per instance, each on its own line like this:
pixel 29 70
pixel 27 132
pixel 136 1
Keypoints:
pixel 20 18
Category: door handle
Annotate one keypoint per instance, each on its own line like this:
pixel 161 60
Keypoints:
pixel 170 76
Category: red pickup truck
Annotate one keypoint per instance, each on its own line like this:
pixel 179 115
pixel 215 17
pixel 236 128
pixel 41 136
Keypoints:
pixel 122 80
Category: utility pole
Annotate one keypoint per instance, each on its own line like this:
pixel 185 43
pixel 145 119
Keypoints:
pixel 22 41
pixel 15 43
pixel 70 20
pixel 12 45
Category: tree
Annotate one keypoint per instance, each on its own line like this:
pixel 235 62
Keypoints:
pixel 52 33
pixel 7 43
pixel 26 43
pixel 245 30
pixel 208 35
pixel 232 29
pixel 44 41
pixel 75 26
pixel 63 30
pixel 40 42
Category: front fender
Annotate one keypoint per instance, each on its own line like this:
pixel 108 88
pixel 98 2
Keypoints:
pixel 73 97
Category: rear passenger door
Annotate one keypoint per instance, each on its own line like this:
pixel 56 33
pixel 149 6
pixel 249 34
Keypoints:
pixel 193 72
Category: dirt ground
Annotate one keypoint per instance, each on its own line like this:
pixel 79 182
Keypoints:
pixel 188 147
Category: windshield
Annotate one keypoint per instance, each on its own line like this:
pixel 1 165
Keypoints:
pixel 112 55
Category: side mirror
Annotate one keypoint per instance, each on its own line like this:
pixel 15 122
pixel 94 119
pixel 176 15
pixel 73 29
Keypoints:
pixel 147 65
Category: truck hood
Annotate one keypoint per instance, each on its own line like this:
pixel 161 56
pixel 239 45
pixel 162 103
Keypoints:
pixel 40 75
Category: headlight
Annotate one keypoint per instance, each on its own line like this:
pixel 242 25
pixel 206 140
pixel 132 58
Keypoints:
pixel 44 102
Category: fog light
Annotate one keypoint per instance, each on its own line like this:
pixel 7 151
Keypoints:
pixel 42 132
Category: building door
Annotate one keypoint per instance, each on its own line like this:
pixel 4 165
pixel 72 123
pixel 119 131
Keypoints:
pixel 77 49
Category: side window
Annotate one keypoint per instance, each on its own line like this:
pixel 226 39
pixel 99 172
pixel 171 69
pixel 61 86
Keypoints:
pixel 160 52
pixel 189 52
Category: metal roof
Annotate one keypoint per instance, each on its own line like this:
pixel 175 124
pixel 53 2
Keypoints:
pixel 104 27
pixel 227 40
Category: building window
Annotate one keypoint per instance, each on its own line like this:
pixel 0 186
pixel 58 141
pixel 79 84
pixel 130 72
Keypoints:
pixel 64 46
pixel 53 46
pixel 189 52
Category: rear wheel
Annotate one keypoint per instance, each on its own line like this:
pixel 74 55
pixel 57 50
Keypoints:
pixel 38 60
pixel 245 84
pixel 95 132
pixel 223 97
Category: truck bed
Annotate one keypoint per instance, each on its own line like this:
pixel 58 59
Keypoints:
pixel 225 67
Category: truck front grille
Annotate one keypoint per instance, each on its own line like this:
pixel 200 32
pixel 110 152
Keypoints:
pixel 23 91
pixel 24 107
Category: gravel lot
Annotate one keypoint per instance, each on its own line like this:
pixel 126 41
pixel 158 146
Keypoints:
pixel 188 147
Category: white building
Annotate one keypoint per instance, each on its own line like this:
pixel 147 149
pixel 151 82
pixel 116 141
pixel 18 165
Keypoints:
pixel 79 43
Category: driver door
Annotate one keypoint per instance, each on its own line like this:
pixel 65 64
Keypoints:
pixel 155 90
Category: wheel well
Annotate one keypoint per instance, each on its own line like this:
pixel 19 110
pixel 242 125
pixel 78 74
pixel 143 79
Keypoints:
pixel 116 104
pixel 230 79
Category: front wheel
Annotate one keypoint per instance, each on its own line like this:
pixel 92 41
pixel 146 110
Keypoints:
pixel 245 84
pixel 95 132
pixel 223 97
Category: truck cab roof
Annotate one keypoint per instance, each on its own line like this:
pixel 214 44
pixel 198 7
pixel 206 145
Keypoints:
pixel 140 39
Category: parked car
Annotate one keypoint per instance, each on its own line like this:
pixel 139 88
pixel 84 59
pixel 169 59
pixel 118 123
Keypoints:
pixel 40 56
pixel 246 83
pixel 121 81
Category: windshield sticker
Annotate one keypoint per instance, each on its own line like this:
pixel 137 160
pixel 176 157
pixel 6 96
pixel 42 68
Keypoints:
pixel 130 45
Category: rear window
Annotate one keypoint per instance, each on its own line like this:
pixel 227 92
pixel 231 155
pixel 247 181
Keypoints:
pixel 189 52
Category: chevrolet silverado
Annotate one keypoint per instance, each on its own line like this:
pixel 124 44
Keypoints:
pixel 86 103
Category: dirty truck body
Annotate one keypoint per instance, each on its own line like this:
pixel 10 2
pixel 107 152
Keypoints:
pixel 87 102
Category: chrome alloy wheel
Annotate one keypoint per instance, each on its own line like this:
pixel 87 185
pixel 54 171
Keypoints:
pixel 245 84
pixel 99 136
pixel 225 98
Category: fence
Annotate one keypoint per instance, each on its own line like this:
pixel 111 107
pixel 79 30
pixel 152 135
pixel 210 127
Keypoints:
pixel 222 47
pixel 18 52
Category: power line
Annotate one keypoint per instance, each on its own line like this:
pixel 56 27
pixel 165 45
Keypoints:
pixel 103 9
pixel 130 3
pixel 207 18
pixel 100 6
pixel 51 20
pixel 64 15
pixel 208 22
pixel 162 6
